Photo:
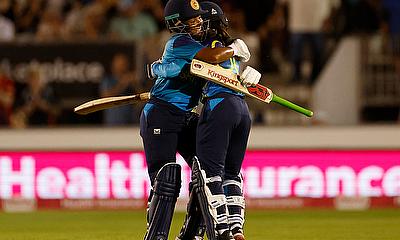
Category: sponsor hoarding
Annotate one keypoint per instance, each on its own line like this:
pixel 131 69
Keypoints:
pixel 267 174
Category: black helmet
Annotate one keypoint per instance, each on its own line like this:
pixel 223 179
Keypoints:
pixel 177 11
pixel 218 22
pixel 214 13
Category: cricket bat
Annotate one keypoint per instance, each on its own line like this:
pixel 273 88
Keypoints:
pixel 227 78
pixel 109 102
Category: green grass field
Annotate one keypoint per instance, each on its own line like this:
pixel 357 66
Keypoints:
pixel 260 225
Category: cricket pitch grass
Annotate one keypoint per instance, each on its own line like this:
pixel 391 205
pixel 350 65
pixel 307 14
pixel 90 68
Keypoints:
pixel 309 224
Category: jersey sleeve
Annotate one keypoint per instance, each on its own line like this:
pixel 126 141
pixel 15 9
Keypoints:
pixel 183 49
pixel 186 48
pixel 168 70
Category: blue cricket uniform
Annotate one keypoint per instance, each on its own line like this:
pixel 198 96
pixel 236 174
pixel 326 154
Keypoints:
pixel 167 125
pixel 222 131
pixel 224 127
pixel 221 141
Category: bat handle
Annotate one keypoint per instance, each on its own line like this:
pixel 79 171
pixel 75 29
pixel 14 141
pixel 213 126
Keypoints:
pixel 144 96
pixel 292 106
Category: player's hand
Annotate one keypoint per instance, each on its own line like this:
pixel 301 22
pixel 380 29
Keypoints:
pixel 250 76
pixel 240 50
pixel 149 69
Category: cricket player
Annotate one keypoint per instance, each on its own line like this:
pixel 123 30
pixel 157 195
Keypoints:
pixel 222 136
pixel 222 140
pixel 166 125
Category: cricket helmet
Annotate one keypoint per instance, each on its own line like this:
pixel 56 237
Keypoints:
pixel 217 22
pixel 214 13
pixel 178 11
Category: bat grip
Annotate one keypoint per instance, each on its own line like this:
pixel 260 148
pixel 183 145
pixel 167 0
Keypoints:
pixel 144 96
pixel 292 106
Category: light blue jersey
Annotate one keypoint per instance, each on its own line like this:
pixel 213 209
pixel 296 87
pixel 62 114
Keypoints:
pixel 179 51
pixel 211 88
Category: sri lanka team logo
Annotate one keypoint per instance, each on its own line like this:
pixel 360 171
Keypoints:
pixel 195 5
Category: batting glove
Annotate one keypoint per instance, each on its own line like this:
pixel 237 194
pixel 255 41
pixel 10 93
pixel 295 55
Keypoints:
pixel 250 76
pixel 240 50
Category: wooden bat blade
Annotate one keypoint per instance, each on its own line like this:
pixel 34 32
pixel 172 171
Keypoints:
pixel 227 78
pixel 109 102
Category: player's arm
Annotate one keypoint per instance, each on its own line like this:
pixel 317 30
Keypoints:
pixel 166 70
pixel 215 55
pixel 185 49
pixel 250 76
pixel 173 69
pixel 220 54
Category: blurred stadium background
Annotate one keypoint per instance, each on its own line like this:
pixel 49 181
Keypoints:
pixel 334 176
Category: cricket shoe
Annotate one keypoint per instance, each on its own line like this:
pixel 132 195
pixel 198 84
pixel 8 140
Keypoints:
pixel 239 236
pixel 238 233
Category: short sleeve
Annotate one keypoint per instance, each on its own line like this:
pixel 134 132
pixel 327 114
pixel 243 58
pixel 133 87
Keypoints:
pixel 186 47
